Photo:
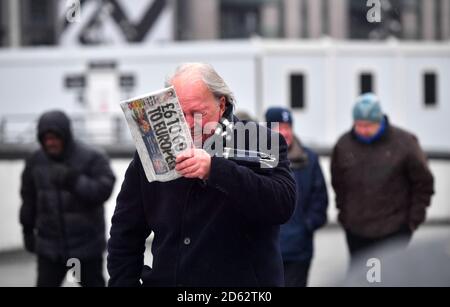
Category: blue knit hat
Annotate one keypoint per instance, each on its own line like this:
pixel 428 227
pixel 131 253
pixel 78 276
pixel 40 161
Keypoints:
pixel 279 115
pixel 368 108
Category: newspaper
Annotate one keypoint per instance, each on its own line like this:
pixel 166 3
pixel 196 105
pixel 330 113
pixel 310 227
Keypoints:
pixel 159 131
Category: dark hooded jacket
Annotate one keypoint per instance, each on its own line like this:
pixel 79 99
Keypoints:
pixel 219 232
pixel 65 218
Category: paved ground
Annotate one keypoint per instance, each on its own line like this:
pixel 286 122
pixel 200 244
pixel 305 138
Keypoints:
pixel 330 264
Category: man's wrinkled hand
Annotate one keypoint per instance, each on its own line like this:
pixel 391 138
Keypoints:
pixel 194 163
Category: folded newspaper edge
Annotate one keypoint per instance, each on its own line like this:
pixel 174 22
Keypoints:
pixel 159 131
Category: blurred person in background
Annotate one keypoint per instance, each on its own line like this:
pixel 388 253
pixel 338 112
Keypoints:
pixel 296 236
pixel 64 186
pixel 244 116
pixel 381 179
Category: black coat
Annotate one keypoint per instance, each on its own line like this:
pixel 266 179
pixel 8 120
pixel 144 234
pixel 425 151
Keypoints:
pixel 65 221
pixel 219 232
pixel 296 236
pixel 381 187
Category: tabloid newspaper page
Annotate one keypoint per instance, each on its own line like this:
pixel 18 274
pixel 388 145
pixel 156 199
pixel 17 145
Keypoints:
pixel 159 131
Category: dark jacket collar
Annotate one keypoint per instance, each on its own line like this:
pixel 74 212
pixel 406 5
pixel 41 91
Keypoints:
pixel 224 133
pixel 297 155
pixel 384 136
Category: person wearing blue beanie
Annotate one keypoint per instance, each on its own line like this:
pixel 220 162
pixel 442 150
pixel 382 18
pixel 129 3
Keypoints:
pixel 367 107
pixel 296 236
pixel 279 115
pixel 370 123
pixel 381 179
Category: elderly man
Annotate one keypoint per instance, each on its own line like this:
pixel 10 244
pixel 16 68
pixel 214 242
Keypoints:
pixel 218 224
pixel 382 182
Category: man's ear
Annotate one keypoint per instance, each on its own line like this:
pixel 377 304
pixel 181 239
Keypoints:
pixel 222 105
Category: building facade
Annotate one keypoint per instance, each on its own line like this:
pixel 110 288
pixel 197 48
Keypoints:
pixel 93 22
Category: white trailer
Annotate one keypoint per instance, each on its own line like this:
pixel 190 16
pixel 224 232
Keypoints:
pixel 326 75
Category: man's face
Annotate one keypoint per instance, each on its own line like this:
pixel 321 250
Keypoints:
pixel 366 128
pixel 53 144
pixel 285 129
pixel 195 98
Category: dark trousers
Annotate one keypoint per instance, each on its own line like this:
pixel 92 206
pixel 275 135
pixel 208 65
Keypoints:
pixel 358 245
pixel 296 273
pixel 51 273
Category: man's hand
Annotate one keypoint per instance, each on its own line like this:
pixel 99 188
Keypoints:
pixel 62 176
pixel 194 163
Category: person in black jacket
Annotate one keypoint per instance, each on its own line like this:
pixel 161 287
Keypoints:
pixel 296 236
pixel 64 187
pixel 218 224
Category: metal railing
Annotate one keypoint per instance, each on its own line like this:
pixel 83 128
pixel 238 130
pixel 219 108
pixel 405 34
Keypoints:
pixel 95 128
pixel 105 130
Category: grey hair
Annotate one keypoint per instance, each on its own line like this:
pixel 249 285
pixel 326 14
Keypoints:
pixel 208 75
